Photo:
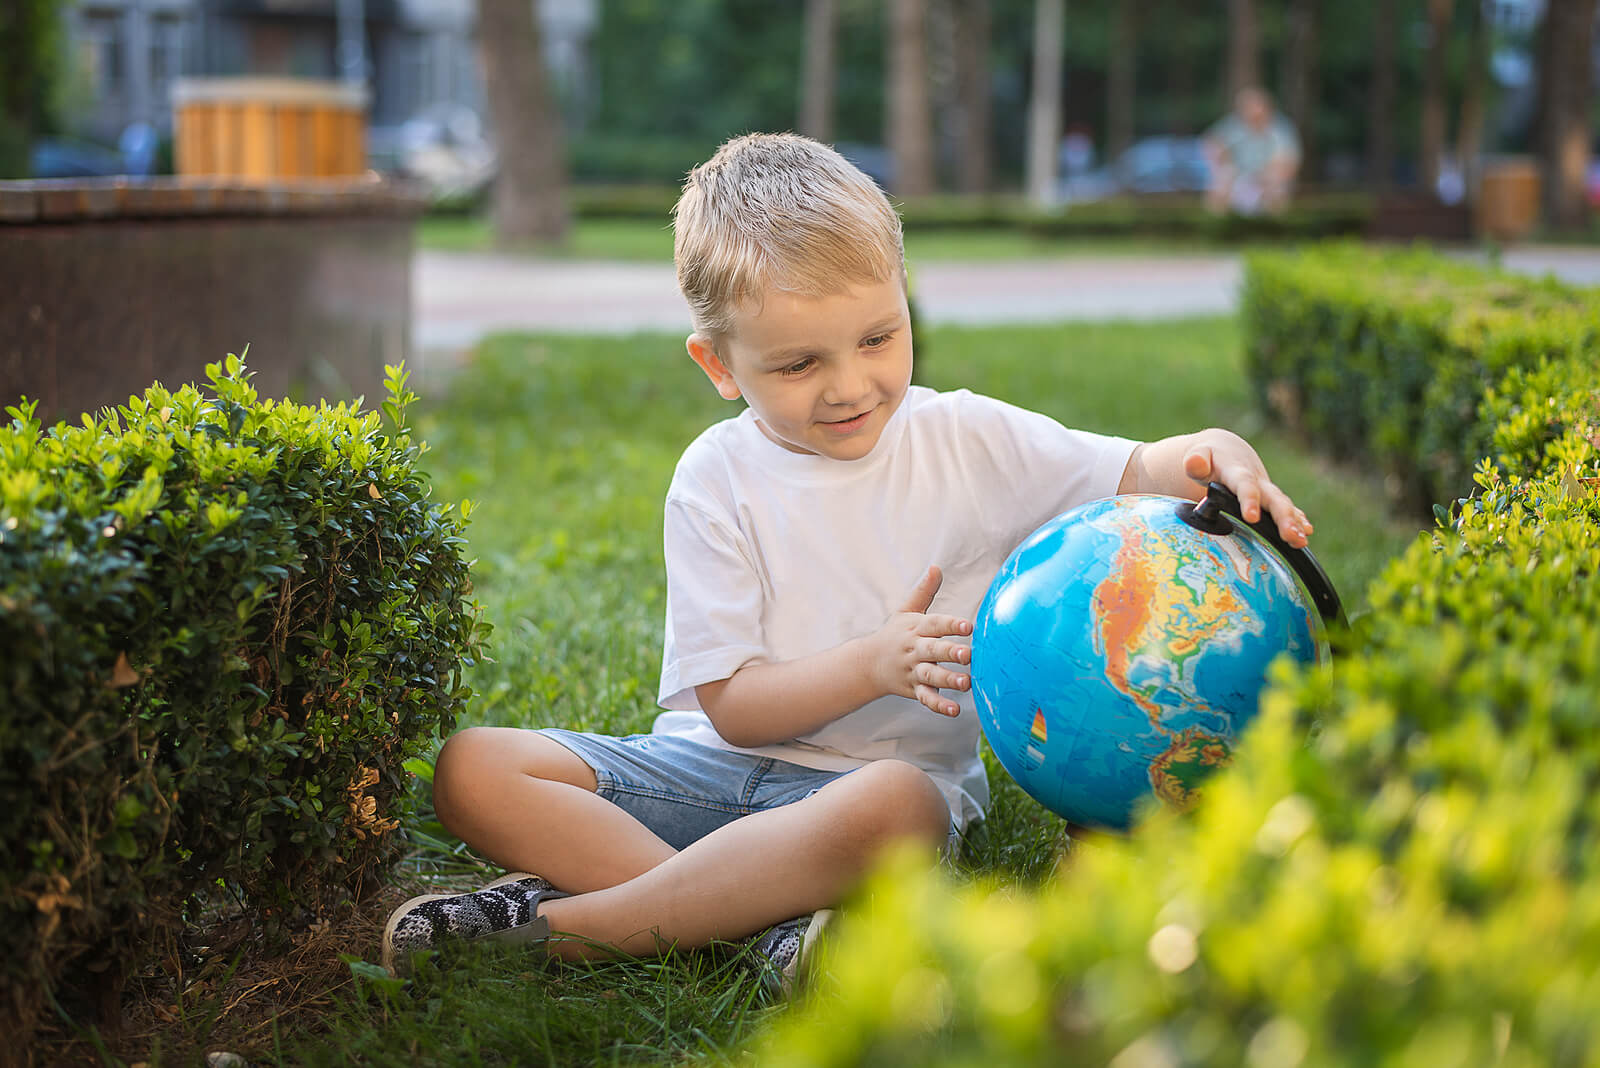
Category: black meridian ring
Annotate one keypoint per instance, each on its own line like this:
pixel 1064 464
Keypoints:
pixel 1211 516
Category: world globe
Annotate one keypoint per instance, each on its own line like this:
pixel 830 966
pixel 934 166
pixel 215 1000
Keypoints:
pixel 1123 647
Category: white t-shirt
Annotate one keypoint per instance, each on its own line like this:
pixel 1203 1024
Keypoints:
pixel 772 555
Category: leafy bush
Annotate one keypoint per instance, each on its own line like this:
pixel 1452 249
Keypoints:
pixel 226 622
pixel 1401 867
pixel 1385 356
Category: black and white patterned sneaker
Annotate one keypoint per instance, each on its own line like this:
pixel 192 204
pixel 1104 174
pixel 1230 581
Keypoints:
pixel 506 910
pixel 783 952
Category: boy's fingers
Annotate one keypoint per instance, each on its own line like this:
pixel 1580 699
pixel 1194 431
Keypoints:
pixel 923 592
pixel 936 701
pixel 1197 463
pixel 943 626
pixel 942 678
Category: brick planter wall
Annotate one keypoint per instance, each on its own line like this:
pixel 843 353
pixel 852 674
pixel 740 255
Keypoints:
pixel 109 285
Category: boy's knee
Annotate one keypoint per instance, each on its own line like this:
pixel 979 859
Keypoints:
pixel 464 759
pixel 911 804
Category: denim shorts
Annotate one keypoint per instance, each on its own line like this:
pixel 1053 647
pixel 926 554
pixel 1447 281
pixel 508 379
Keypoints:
pixel 682 790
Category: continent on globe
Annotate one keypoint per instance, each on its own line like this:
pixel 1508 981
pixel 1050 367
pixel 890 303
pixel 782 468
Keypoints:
pixel 1176 773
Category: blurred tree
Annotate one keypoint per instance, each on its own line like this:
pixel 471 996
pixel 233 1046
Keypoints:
pixel 817 71
pixel 909 118
pixel 1121 69
pixel 1301 99
pixel 1380 110
pixel 1435 91
pixel 1244 47
pixel 1044 102
pixel 529 201
pixel 30 69
pixel 1566 45
pixel 1474 94
pixel 972 39
pixel 675 80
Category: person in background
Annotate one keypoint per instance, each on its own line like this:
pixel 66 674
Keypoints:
pixel 1254 154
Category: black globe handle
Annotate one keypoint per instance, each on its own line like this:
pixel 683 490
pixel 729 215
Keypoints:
pixel 1211 516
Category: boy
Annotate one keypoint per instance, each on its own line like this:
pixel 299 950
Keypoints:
pixel 825 550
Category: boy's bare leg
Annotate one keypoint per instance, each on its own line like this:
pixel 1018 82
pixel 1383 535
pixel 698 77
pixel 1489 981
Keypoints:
pixel 758 870
pixel 527 803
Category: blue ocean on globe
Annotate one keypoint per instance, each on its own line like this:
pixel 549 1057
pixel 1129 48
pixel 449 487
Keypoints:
pixel 1120 651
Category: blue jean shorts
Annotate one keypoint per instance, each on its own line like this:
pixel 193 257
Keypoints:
pixel 682 790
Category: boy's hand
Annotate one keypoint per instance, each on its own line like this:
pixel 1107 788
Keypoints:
pixel 907 650
pixel 1222 456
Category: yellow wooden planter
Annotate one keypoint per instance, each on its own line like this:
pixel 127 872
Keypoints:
pixel 269 128
pixel 1508 199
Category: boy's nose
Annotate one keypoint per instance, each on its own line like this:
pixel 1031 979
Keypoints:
pixel 848 384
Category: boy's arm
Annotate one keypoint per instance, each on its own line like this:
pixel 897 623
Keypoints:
pixel 1180 466
pixel 764 703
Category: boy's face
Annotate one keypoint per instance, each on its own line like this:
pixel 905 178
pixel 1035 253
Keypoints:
pixel 822 374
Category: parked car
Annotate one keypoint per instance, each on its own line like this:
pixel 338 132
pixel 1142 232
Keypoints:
pixel 445 148
pixel 1149 165
pixel 65 157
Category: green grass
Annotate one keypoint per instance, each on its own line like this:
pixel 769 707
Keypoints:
pixel 646 241
pixel 566 445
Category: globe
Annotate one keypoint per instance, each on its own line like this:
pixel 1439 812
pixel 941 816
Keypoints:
pixel 1122 647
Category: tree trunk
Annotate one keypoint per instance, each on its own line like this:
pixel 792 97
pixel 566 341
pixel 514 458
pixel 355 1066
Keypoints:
pixel 1121 66
pixel 1300 77
pixel 1434 92
pixel 1470 125
pixel 1380 111
pixel 816 80
pixel 530 188
pixel 972 23
pixel 1244 48
pixel 910 116
pixel 1566 40
pixel 1044 102
pixel 1185 114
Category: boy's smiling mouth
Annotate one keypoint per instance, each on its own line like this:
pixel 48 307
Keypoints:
pixel 843 426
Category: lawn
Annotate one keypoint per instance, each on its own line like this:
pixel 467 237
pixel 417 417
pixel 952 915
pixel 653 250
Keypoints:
pixel 650 241
pixel 566 445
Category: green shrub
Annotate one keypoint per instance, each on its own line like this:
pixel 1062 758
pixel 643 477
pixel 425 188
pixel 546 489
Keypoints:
pixel 1401 867
pixel 1181 217
pixel 1386 356
pixel 226 622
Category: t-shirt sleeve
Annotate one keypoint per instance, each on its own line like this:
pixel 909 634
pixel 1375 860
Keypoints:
pixel 1044 468
pixel 714 602
pixel 1285 139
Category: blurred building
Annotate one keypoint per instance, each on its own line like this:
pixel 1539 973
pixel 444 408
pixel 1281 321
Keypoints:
pixel 420 54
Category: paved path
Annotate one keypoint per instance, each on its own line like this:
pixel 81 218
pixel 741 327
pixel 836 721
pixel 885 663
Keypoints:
pixel 460 297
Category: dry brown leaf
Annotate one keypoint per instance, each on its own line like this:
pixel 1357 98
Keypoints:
pixel 372 491
pixel 122 673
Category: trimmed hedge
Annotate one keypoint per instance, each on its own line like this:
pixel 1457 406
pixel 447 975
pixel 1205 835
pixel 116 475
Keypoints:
pixel 1181 217
pixel 225 623
pixel 1385 356
pixel 1401 867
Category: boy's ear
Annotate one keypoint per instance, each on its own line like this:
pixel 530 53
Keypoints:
pixel 701 352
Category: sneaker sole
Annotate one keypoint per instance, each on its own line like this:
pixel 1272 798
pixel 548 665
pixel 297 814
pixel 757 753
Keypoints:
pixel 526 933
pixel 796 974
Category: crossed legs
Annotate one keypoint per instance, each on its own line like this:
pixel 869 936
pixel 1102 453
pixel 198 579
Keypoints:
pixel 529 804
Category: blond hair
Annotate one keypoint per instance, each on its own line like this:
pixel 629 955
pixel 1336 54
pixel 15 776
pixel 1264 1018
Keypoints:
pixel 779 211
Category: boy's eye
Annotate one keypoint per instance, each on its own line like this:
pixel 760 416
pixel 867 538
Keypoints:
pixel 799 366
pixel 875 341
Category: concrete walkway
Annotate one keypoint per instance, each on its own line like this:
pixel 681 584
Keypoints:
pixel 461 297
